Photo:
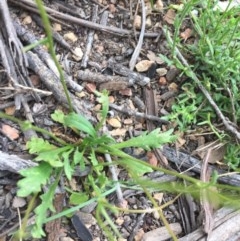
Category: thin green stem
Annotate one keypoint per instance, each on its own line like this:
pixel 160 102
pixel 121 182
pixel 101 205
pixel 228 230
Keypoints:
pixel 48 31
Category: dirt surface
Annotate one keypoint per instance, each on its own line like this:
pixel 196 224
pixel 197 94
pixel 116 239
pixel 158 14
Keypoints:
pixel 139 95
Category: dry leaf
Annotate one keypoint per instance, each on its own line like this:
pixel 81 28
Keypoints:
pixel 152 159
pixel 186 34
pixel 143 65
pixel 118 132
pixel 152 56
pixel 90 87
pixel 111 99
pixel 173 86
pixel 162 81
pixel 77 54
pixel 158 197
pixel 126 92
pixel 114 122
pixel 10 110
pixel 170 16
pixel 10 132
pixel 66 239
pixel 158 5
pixel 139 235
pixel 137 22
pixel 119 221
pixel 57 27
pixel 180 142
pixel 161 71
pixel 112 8
pixel 128 121
pixel 35 79
pixel 70 36
pixel 27 20
pixel 148 22
pixel 216 154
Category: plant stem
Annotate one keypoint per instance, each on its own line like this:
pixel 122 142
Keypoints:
pixel 48 31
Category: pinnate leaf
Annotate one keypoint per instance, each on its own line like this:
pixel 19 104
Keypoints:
pixel 37 145
pixel 33 179
pixel 41 211
pixel 53 157
pixel 147 141
pixel 135 167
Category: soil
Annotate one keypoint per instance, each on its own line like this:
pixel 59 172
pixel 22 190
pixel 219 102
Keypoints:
pixel 137 105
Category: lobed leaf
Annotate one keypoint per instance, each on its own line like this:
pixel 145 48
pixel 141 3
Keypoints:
pixel 147 141
pixel 33 179
pixel 58 116
pixel 37 145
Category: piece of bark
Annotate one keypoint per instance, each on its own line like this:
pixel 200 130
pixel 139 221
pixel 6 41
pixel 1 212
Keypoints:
pixel 13 163
pixel 206 205
pixel 187 209
pixel 137 114
pixel 187 161
pixel 29 38
pixel 90 38
pixel 53 228
pixel 134 77
pixel 152 109
pixel 225 227
pixel 108 82
pixel 162 234
pixel 12 39
pixel 52 82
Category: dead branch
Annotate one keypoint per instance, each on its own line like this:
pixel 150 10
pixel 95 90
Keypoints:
pixel 84 23
pixel 138 48
pixel 14 163
pixel 187 161
pixel 90 38
pixel 137 114
pixel 52 82
pixel 134 77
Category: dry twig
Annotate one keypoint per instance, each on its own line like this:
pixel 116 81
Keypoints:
pixel 140 40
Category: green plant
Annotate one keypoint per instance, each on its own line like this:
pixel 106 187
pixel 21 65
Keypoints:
pixel 56 158
pixel 61 158
pixel 214 59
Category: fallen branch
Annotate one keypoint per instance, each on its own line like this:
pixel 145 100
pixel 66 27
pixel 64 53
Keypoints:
pixel 187 161
pixel 138 48
pixel 82 22
pixel 137 114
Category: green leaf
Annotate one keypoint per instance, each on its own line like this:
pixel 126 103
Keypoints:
pixel 58 116
pixel 77 198
pixel 67 166
pixel 42 209
pixel 137 168
pixel 79 122
pixel 98 168
pixel 53 157
pixel 166 60
pixel 37 145
pixel 78 158
pixel 104 100
pixel 147 141
pixel 33 179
